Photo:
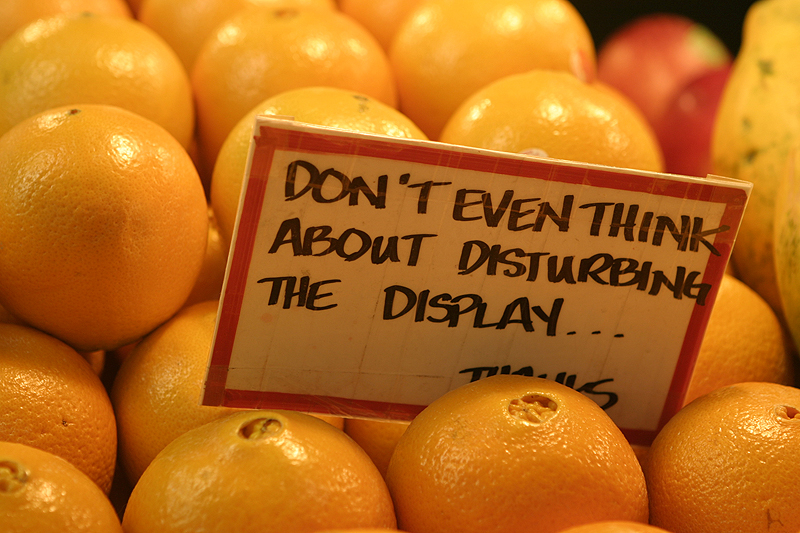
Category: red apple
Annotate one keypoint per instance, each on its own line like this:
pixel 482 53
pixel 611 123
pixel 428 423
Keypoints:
pixel 654 56
pixel 687 126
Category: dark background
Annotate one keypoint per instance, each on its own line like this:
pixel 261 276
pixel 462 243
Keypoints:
pixel 723 18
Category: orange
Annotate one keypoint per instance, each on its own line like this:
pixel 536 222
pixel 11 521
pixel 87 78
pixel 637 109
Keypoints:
pixel 52 400
pixel 382 18
pixel 323 106
pixel 260 471
pixel 727 462
pixel 157 390
pixel 614 526
pixel 185 24
pixel 16 14
pixel 744 341
pixel 512 454
pixel 103 222
pixel 377 437
pixel 553 113
pixel 446 50
pixel 212 273
pixel 786 246
pixel 43 493
pixel 99 59
pixel 262 51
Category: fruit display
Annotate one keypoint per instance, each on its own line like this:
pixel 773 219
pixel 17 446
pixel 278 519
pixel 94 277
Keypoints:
pixel 125 140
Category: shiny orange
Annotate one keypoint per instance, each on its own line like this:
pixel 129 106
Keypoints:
pixel 743 341
pixel 553 113
pixel 322 106
pixel 446 50
pixel 727 462
pixel 103 222
pixel 52 400
pixel 90 58
pixel 157 390
pixel 262 51
pixel 16 14
pixel 42 493
pixel 509 453
pixel 260 471
pixel 185 24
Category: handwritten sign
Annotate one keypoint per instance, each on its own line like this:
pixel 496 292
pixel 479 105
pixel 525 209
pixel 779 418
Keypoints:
pixel 370 275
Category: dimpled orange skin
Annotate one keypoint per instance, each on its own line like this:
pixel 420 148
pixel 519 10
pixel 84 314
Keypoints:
pixel 727 463
pixel 559 114
pixel 88 58
pixel 42 493
pixel 51 399
pixel 262 51
pixel 446 50
pixel 260 471
pixel 743 341
pixel 103 223
pixel 16 14
pixel 157 390
pixel 482 459
pixel 185 24
pixel 323 106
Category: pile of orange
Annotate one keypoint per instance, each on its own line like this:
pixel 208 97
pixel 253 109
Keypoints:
pixel 124 134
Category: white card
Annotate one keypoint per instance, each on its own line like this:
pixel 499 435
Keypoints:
pixel 370 275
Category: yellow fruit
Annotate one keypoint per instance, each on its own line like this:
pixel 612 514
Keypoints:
pixel 261 51
pixel 614 526
pixel 382 18
pixel 744 341
pixel 103 222
pixel 260 471
pixel 52 400
pixel 756 130
pixel 212 274
pixel 787 245
pixel 511 454
pixel 94 59
pixel 377 437
pixel 16 14
pixel 42 493
pixel 448 49
pixel 727 462
pixel 185 24
pixel 555 112
pixel 323 106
